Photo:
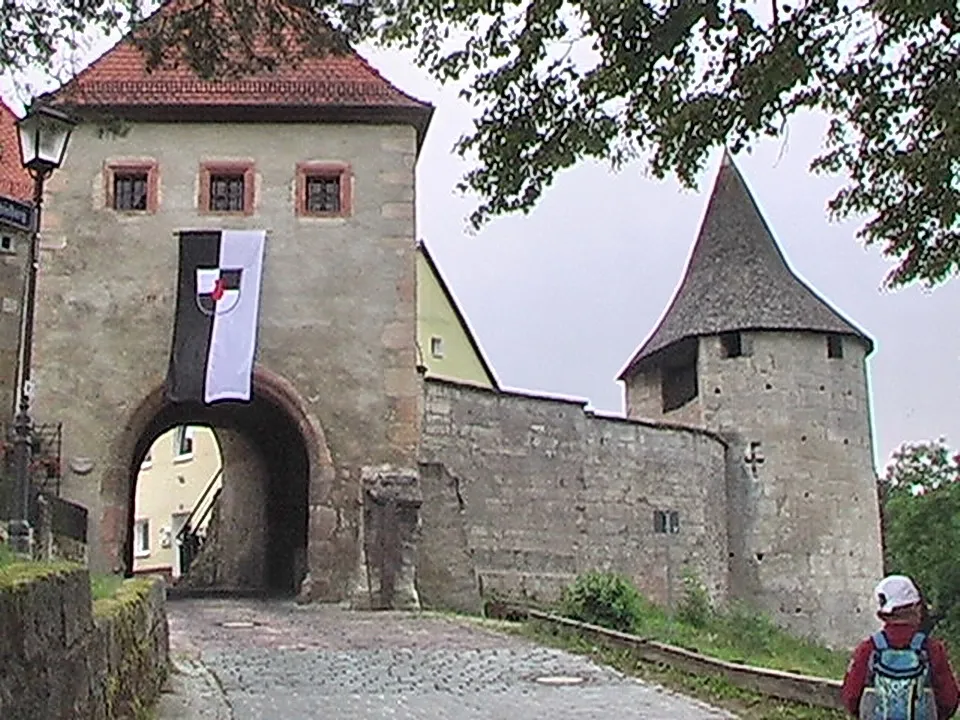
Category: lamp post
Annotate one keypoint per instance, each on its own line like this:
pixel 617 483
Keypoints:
pixel 44 134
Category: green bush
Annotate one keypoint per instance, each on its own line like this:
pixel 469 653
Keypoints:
pixel 695 608
pixel 605 599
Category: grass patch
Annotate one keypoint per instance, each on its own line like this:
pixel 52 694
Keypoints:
pixel 735 634
pixel 713 690
pixel 104 586
pixel 20 572
pixel 14 569
pixel 741 636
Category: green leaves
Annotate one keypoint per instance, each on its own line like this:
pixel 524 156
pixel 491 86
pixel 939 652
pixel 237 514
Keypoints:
pixel 560 81
pixel 921 494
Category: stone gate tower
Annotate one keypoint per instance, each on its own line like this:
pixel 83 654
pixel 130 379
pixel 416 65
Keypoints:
pixel 748 350
pixel 320 152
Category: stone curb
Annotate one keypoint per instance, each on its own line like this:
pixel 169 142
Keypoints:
pixel 819 692
pixel 193 694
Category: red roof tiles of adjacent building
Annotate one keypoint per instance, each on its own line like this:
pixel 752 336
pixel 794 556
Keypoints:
pixel 15 182
pixel 120 78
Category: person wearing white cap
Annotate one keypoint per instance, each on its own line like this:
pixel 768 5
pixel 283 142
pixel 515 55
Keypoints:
pixel 899 673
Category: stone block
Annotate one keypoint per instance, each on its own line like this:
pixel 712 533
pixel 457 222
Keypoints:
pixel 397 178
pixel 398 335
pixel 402 382
pixel 397 210
pixel 398 144
pixel 323 522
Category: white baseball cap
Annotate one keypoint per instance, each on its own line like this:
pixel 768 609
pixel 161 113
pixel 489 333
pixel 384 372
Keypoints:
pixel 896 591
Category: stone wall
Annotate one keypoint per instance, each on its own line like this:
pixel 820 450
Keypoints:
pixel 534 490
pixel 63 657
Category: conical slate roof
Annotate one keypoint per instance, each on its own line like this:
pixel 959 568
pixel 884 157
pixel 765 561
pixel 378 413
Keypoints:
pixel 738 279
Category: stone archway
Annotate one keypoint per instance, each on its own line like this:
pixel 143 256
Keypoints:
pixel 276 403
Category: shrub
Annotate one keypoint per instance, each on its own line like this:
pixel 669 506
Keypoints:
pixel 605 599
pixel 695 608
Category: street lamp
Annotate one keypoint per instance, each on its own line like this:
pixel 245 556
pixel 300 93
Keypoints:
pixel 44 134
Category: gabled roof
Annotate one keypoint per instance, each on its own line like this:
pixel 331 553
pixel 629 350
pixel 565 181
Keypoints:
pixel 119 81
pixel 422 248
pixel 738 279
pixel 15 181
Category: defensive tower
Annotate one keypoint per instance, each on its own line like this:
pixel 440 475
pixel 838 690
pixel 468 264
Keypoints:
pixel 749 350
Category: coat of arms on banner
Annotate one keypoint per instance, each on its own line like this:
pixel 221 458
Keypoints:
pixel 218 290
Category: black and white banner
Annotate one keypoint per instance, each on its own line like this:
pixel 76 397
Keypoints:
pixel 217 312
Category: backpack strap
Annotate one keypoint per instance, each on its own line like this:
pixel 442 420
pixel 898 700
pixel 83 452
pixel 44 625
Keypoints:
pixel 917 642
pixel 880 640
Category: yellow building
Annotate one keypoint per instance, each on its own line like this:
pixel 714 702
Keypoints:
pixel 446 346
pixel 180 475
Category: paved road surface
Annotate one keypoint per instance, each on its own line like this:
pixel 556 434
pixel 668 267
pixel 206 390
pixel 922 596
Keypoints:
pixel 254 660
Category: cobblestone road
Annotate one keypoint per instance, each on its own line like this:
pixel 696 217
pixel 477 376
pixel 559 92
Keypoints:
pixel 279 661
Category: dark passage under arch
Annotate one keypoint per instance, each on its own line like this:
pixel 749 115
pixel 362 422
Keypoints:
pixel 265 476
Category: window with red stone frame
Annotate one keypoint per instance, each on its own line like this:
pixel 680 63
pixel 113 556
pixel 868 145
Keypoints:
pixel 131 186
pixel 226 188
pixel 324 189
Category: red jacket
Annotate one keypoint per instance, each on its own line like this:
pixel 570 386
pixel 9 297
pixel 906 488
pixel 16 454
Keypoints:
pixel 899 635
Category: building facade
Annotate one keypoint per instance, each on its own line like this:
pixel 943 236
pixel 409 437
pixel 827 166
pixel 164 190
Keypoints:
pixel 16 223
pixel 326 166
pixel 178 483
pixel 446 345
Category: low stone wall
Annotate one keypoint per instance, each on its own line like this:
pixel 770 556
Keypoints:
pixel 64 657
pixel 815 691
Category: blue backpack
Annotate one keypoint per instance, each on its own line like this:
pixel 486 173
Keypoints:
pixel 898 682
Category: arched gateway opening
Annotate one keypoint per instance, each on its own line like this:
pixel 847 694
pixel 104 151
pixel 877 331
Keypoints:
pixel 274 460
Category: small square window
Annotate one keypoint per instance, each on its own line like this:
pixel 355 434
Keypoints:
pixel 6 244
pixel 666 522
pixel 323 189
pixel 436 347
pixel 227 187
pixel 834 346
pixel 131 185
pixel 183 443
pixel 659 521
pixel 227 192
pixel 731 344
pixel 130 190
pixel 323 194
pixel 141 538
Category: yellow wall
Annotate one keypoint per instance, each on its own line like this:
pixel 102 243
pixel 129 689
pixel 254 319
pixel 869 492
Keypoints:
pixel 436 318
pixel 168 485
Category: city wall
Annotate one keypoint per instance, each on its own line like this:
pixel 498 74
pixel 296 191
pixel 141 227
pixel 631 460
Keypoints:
pixel 521 493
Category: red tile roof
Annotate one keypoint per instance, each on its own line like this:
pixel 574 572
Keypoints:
pixel 120 78
pixel 15 182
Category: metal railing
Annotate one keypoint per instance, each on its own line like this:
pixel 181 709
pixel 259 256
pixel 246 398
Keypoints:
pixel 192 535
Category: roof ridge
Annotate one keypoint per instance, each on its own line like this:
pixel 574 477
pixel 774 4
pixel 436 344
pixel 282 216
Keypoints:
pixel 333 78
pixel 15 181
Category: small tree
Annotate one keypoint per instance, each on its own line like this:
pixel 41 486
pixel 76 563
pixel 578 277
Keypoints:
pixel 921 495
pixel 606 599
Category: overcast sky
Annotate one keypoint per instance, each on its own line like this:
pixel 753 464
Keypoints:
pixel 559 299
